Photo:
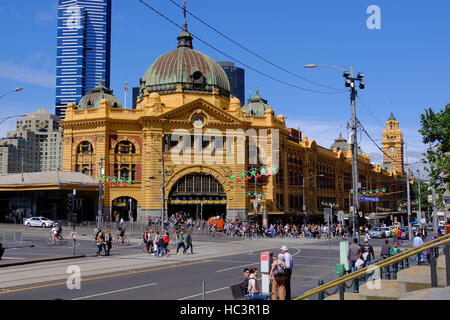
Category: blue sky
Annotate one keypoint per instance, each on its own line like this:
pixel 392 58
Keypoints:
pixel 406 62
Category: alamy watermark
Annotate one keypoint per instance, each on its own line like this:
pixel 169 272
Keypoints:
pixel 74 279
pixel 374 20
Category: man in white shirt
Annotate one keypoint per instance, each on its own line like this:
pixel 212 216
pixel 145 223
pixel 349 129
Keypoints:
pixel 417 241
pixel 289 262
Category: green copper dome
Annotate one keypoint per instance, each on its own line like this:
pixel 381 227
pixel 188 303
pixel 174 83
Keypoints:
pixel 193 70
pixel 256 106
pixel 92 99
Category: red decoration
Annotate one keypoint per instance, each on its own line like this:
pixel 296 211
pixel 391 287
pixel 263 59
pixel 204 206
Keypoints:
pixel 238 180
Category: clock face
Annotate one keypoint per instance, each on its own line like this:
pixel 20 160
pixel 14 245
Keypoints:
pixel 198 122
pixel 391 149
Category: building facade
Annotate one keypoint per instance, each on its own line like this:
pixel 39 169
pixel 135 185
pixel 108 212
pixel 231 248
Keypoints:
pixel 213 155
pixel 35 145
pixel 236 77
pixel 83 49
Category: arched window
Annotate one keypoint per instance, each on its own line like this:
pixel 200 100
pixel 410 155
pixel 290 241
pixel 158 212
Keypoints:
pixel 85 147
pixel 125 147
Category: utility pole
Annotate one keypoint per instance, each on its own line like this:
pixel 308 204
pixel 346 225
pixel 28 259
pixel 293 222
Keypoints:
pixel 100 196
pixel 163 173
pixel 435 218
pixel 73 218
pixel 419 214
pixel 408 204
pixel 350 82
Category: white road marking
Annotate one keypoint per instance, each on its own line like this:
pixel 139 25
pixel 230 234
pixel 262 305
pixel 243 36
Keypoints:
pixel 12 258
pixel 110 292
pixel 245 265
pixel 207 292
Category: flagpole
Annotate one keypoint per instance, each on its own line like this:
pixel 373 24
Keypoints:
pixel 126 91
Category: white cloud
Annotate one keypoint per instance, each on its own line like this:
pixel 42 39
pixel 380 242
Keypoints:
pixel 12 71
pixel 47 15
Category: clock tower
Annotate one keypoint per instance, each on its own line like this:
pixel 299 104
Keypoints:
pixel 393 146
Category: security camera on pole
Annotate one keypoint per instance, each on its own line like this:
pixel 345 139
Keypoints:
pixel 350 82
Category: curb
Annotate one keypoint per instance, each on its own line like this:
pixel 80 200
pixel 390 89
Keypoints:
pixel 19 263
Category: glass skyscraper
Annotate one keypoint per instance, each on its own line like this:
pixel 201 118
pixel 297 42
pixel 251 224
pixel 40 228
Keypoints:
pixel 236 76
pixel 83 49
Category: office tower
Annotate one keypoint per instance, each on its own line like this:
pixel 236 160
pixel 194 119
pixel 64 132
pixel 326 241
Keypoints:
pixel 36 144
pixel 236 76
pixel 83 49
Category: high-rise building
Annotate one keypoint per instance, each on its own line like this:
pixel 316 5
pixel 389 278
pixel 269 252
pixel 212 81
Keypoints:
pixel 236 76
pixel 83 49
pixel 35 145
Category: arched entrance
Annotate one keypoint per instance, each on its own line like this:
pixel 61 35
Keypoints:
pixel 123 206
pixel 199 195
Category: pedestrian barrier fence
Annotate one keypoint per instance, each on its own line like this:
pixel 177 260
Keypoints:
pixel 14 238
pixel 400 260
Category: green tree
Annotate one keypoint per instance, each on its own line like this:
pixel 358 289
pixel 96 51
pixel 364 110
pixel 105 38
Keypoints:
pixel 436 131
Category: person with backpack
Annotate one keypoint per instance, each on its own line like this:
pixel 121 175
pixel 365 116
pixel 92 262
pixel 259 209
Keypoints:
pixel 108 240
pixel 148 241
pixel 181 242
pixel 189 242
pixel 278 277
pixel 100 243
pixel 166 240
pixel 244 283
pixel 160 245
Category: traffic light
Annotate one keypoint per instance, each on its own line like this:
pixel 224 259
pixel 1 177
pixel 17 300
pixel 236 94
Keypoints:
pixel 69 202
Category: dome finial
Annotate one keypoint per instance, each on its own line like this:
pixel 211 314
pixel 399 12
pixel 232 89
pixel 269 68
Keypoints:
pixel 185 38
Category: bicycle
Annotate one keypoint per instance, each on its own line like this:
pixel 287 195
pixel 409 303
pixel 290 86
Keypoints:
pixel 121 240
pixel 58 240
pixel 251 235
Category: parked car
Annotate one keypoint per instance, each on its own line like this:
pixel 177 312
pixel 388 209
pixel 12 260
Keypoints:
pixel 387 231
pixel 429 226
pixel 39 222
pixel 377 232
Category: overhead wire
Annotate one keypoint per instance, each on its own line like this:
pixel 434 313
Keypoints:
pixel 251 51
pixel 237 60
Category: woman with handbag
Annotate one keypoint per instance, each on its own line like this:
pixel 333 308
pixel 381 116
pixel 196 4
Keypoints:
pixel 278 276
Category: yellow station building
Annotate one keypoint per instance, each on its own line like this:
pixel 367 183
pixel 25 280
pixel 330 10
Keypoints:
pixel 187 91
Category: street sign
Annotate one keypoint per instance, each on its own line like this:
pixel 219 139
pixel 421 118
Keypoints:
pixel 265 258
pixel 369 199
pixel 73 235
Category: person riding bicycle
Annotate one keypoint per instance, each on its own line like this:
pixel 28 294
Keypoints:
pixel 58 230
pixel 122 232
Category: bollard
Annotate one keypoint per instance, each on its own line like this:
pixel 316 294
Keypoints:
pixel 321 294
pixel 388 272
pixel 356 285
pixel 203 290
pixel 401 265
pixel 419 259
pixel 394 271
pixel 433 266
pixel 343 285
pixel 341 291
pixel 407 263
pixel 447 262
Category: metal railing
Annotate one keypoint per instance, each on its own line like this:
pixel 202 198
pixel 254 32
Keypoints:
pixel 339 282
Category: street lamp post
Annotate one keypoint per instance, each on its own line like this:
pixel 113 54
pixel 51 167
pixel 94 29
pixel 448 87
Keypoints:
pixel 15 90
pixel 419 214
pixel 350 82
pixel 100 196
